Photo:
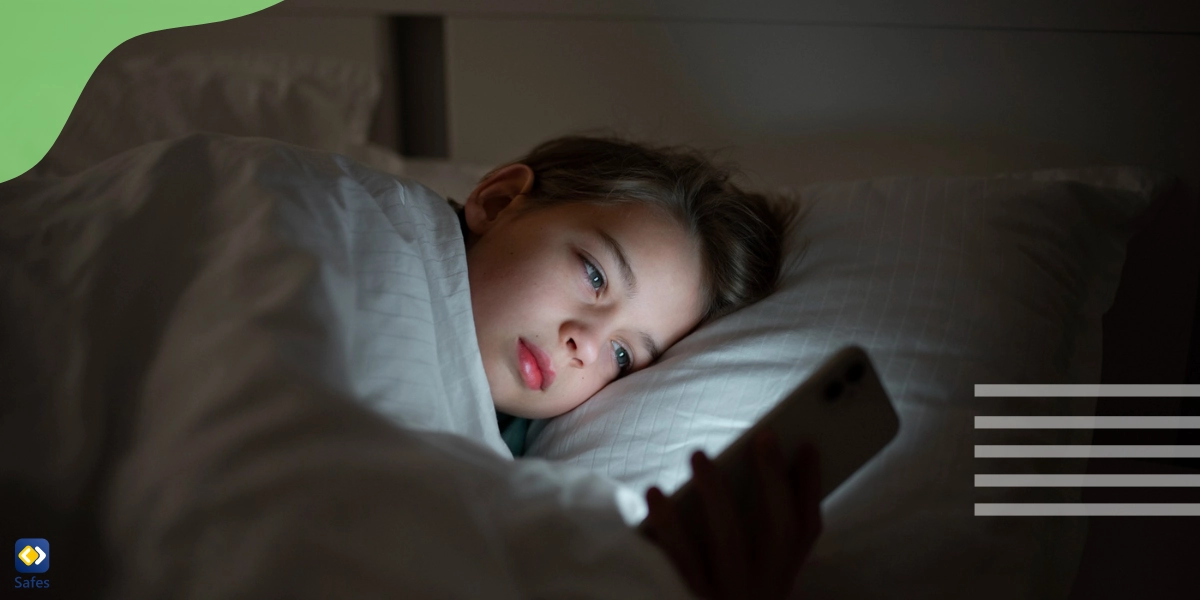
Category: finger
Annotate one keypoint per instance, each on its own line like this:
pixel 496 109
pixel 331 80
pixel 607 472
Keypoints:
pixel 778 537
pixel 727 548
pixel 806 488
pixel 805 482
pixel 670 534
pixel 760 519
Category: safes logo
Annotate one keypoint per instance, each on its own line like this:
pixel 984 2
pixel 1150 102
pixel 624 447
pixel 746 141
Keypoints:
pixel 33 555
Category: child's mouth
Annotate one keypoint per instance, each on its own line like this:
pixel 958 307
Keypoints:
pixel 534 366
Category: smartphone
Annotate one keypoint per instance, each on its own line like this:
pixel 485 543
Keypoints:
pixel 841 408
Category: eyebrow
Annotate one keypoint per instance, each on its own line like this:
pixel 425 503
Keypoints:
pixel 652 347
pixel 614 248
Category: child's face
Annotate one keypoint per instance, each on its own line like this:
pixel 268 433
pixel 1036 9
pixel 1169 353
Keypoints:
pixel 555 317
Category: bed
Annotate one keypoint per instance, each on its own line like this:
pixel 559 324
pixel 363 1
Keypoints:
pixel 439 93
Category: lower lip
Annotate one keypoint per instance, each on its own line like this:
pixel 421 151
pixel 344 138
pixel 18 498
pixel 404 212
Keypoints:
pixel 531 373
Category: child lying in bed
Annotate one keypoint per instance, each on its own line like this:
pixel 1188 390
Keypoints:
pixel 587 258
pixel 186 324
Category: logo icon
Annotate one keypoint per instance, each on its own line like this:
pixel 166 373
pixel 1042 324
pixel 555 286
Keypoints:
pixel 32 555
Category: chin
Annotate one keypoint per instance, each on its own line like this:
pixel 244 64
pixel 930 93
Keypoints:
pixel 526 412
pixel 510 404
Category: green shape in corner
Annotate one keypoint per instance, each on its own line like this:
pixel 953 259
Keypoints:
pixel 49 49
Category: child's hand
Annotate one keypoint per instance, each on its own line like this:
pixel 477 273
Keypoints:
pixel 728 555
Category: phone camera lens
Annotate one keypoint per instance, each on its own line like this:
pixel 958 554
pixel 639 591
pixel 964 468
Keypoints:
pixel 833 390
pixel 855 372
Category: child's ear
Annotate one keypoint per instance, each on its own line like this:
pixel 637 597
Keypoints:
pixel 494 194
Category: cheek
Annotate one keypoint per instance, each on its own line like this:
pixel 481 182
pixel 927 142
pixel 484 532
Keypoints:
pixel 586 384
pixel 511 287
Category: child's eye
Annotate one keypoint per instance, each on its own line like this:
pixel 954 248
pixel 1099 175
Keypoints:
pixel 594 276
pixel 624 360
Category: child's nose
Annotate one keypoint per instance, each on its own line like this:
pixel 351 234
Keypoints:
pixel 582 341
pixel 583 349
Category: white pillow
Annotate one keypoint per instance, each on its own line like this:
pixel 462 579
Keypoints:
pixel 308 101
pixel 948 283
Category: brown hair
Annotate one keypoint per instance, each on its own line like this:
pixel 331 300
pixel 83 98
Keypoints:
pixel 740 233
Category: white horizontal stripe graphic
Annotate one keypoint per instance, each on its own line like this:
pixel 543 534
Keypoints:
pixel 1087 510
pixel 1167 390
pixel 1086 480
pixel 1087 422
pixel 1085 451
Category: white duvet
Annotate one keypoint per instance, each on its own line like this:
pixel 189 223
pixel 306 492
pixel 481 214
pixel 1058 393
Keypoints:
pixel 253 368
